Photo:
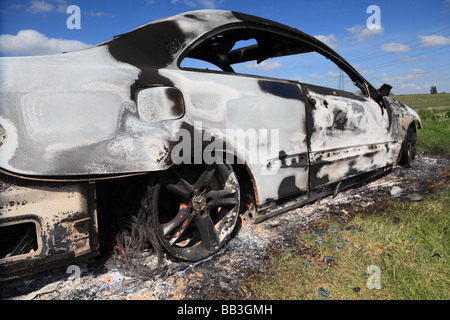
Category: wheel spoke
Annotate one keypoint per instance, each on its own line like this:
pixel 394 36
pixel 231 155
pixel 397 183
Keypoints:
pixel 205 178
pixel 182 218
pixel 181 231
pixel 176 184
pixel 182 189
pixel 208 234
pixel 221 198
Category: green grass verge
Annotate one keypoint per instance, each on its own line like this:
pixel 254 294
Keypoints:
pixel 434 137
pixel 408 241
pixel 423 101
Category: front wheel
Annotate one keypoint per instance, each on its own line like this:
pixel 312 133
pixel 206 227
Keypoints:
pixel 194 209
pixel 409 146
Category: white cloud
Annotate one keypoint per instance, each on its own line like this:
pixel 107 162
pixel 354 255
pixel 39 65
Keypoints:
pixel 362 33
pixel 363 72
pixel 414 87
pixel 413 81
pixel 61 6
pixel 367 72
pixel 40 6
pixel 434 40
pixel 333 74
pixel 315 76
pixel 297 78
pixel 395 47
pixel 99 14
pixel 413 74
pixel 32 42
pixel 329 40
pixel 16 6
pixel 264 66
pixel 207 4
pixel 413 59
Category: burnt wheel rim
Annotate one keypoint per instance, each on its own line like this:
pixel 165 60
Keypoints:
pixel 195 209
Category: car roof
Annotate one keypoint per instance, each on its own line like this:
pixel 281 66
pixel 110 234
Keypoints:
pixel 165 39
pixel 195 22
pixel 160 43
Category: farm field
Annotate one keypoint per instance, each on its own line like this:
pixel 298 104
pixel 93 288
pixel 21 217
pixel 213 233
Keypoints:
pixel 424 101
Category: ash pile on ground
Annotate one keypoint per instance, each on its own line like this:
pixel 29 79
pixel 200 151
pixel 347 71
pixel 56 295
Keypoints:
pixel 246 255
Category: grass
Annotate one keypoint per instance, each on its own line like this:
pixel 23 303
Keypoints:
pixel 408 241
pixel 423 101
pixel 434 137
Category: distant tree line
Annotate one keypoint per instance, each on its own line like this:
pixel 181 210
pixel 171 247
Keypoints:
pixel 433 89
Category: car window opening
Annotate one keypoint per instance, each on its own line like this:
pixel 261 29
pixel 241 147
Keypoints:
pixel 257 52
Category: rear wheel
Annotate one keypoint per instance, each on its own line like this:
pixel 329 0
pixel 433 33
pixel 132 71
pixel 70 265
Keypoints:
pixel 409 146
pixel 194 209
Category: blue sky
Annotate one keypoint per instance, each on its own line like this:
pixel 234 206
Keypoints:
pixel 410 51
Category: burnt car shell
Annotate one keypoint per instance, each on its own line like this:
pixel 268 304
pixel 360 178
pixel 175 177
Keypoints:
pixel 116 109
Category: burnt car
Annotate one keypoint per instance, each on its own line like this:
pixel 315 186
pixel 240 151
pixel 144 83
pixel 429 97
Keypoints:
pixel 208 142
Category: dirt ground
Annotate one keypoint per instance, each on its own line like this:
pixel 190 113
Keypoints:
pixel 247 254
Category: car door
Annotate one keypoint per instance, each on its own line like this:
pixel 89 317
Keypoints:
pixel 263 120
pixel 348 134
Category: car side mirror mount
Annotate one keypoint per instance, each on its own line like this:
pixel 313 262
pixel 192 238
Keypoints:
pixel 384 90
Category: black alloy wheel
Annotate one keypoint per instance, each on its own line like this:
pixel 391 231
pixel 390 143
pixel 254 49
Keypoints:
pixel 194 209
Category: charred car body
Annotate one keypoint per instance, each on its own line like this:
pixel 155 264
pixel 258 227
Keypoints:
pixel 122 108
